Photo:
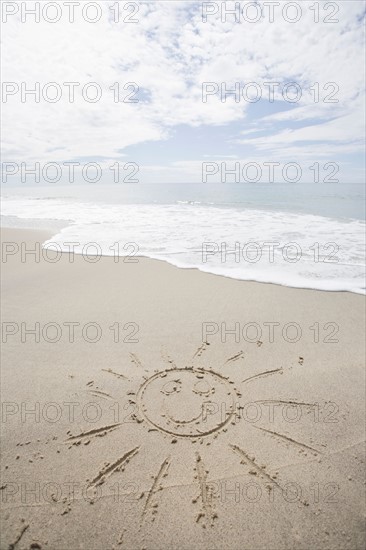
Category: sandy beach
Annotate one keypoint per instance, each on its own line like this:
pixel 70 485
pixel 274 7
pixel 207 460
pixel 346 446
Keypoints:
pixel 154 406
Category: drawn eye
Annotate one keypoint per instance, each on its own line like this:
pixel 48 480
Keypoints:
pixel 174 386
pixel 202 387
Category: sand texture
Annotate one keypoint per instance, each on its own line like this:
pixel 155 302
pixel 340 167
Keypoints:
pixel 161 436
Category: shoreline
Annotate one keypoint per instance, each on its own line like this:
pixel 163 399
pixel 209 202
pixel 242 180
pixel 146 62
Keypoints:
pixel 47 234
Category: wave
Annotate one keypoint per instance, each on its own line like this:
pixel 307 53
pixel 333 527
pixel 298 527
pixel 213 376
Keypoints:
pixel 297 250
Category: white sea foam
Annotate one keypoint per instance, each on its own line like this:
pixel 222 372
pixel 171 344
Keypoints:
pixel 176 233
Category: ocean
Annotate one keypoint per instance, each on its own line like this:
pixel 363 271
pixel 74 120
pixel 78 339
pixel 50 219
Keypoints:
pixel 299 235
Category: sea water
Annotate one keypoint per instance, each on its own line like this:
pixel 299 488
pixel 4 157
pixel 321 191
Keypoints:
pixel 299 235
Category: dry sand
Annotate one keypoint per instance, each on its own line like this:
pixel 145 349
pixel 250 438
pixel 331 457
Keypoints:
pixel 167 442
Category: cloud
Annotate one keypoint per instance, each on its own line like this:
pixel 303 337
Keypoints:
pixel 169 54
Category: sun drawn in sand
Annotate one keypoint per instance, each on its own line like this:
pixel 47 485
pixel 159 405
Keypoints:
pixel 190 403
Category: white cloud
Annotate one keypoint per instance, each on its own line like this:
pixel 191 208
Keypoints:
pixel 169 53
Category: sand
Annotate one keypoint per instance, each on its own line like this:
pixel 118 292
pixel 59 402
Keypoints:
pixel 160 436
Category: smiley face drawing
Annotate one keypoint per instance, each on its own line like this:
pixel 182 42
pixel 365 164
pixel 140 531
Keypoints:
pixel 187 402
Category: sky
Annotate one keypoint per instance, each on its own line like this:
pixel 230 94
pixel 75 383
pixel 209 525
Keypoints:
pixel 171 53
